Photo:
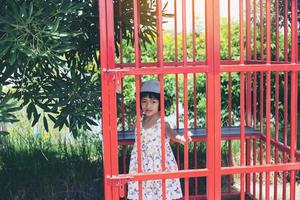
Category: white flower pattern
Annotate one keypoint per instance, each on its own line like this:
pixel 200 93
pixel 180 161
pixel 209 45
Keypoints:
pixel 151 162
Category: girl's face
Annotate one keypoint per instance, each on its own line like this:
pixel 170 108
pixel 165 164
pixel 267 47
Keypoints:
pixel 149 106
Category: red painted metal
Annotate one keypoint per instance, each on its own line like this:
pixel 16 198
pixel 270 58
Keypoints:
pixel 229 30
pixel 248 90
pixel 257 108
pixel 242 140
pixel 276 129
pixel 254 31
pixel 261 30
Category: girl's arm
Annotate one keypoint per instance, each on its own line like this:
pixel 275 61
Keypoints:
pixel 173 136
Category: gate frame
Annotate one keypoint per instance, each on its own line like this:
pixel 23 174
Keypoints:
pixel 112 181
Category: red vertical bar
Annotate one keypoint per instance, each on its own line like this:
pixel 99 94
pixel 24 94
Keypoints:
pixel 121 62
pixel 241 20
pixel 175 33
pixel 229 99
pixel 293 131
pixel 138 129
pixel 248 31
pixel 277 29
pixel 195 167
pixel 184 46
pixel 229 124
pixel 217 98
pixel 193 30
pixel 113 129
pixel 268 96
pixel 230 164
pixel 285 30
pixel 294 29
pixel 254 126
pixel 161 79
pixel 195 99
pixel 185 91
pixel 268 29
pixel 176 78
pixel 212 17
pixel 177 120
pixel 137 86
pixel 260 174
pixel 229 94
pixel 284 174
pixel 248 162
pixel 195 126
pixel 276 129
pixel 242 130
pixel 248 123
pixel 268 130
pixel 163 142
pixel 261 105
pixel 136 34
pixel 261 29
pixel 186 146
pixel 178 155
pixel 294 85
pixel 285 132
pixel 124 163
pixel 254 30
pixel 254 99
pixel 106 137
pixel 248 88
pixel 254 163
pixel 122 106
pixel 112 90
pixel 120 32
pixel 105 97
pixel 229 30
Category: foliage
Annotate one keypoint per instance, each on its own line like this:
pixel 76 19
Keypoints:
pixel 7 107
pixel 50 57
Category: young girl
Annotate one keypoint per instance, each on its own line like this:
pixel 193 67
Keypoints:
pixel 151 148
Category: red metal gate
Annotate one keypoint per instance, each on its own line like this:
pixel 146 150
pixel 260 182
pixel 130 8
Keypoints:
pixel 267 147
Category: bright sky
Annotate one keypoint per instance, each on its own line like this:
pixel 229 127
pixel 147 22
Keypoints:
pixel 199 13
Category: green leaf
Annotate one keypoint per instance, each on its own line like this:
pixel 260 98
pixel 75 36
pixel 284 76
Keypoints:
pixel 52 118
pixel 91 122
pixel 35 119
pixel 56 25
pixel 45 124
pixel 4 133
pixel 29 110
pixel 13 57
pixel 30 9
pixel 3 52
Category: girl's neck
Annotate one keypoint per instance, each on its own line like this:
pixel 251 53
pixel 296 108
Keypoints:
pixel 149 121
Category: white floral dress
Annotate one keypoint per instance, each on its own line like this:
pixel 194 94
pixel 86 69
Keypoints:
pixel 151 162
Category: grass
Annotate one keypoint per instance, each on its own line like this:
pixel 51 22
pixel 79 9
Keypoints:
pixel 48 166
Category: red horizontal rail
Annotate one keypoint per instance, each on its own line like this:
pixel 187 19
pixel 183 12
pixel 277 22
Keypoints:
pixel 160 70
pixel 260 168
pixel 204 69
pixel 282 147
pixel 165 175
pixel 260 68
pixel 157 64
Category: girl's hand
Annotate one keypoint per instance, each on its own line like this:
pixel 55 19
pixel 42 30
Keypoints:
pixel 181 139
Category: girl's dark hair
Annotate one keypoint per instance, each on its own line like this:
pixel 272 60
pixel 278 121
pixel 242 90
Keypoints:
pixel 151 95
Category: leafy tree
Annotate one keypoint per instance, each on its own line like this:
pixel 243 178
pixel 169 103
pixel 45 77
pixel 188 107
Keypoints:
pixel 50 55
